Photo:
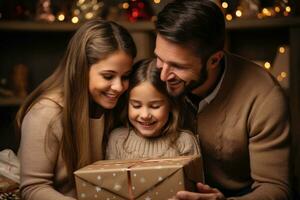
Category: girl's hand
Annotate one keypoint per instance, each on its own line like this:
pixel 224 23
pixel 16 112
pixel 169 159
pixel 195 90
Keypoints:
pixel 205 192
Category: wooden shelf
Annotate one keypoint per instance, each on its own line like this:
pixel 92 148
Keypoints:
pixel 267 23
pixel 65 26
pixel 147 25
pixel 10 101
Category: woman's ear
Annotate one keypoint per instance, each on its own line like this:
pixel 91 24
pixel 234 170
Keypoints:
pixel 214 60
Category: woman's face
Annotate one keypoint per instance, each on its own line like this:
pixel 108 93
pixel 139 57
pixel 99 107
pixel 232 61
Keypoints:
pixel 108 79
pixel 148 110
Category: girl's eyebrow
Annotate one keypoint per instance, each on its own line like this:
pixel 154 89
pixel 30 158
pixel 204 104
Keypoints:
pixel 153 101
pixel 134 100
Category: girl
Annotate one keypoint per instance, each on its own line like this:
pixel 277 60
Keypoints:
pixel 153 128
pixel 62 121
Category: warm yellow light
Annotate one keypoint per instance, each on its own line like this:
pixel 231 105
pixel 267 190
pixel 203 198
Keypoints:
pixel 267 65
pixel 80 2
pixel 89 15
pixel 97 6
pixel 125 5
pixel 279 78
pixel 283 74
pixel 156 1
pixel 266 12
pixel 83 7
pixel 259 15
pixel 76 12
pixel 229 17
pixel 61 17
pixel 281 49
pixel 75 20
pixel 224 5
pixel 288 9
pixel 277 9
pixel 238 13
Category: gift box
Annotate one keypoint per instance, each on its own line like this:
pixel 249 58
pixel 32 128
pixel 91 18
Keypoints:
pixel 145 179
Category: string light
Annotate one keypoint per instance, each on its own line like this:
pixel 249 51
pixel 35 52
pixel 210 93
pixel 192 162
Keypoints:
pixel 229 17
pixel 283 74
pixel 125 5
pixel 76 12
pixel 279 78
pixel 75 20
pixel 61 17
pixel 267 65
pixel 224 5
pixel 89 15
pixel 238 13
pixel 281 49
pixel 279 8
pixel 156 1
pixel 266 12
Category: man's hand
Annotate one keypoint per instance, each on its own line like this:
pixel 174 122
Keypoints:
pixel 205 192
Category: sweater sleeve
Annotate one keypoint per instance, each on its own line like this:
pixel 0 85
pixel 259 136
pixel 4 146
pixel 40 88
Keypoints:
pixel 115 142
pixel 37 160
pixel 269 148
pixel 188 144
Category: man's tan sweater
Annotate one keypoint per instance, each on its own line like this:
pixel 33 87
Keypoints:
pixel 244 135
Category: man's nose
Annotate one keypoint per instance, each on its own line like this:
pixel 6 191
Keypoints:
pixel 165 72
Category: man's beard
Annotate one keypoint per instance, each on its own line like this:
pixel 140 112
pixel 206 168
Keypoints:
pixel 189 87
pixel 196 83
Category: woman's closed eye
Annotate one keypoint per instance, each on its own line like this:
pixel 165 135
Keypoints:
pixel 107 76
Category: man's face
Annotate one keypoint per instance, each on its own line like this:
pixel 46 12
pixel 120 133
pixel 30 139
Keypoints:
pixel 180 68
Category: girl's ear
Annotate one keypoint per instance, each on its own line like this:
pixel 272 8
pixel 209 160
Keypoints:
pixel 214 60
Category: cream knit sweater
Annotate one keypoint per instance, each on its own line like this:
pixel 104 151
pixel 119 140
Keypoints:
pixel 133 146
pixel 43 170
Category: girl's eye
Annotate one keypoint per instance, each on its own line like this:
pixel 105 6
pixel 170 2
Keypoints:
pixel 135 106
pixel 155 106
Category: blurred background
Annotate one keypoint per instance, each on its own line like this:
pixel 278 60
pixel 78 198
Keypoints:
pixel 34 34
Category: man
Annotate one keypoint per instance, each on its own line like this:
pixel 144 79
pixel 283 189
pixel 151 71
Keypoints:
pixel 240 112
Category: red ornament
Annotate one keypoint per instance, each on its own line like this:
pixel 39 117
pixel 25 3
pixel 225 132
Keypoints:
pixel 139 10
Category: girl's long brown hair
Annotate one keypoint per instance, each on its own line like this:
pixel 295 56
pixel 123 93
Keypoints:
pixel 93 41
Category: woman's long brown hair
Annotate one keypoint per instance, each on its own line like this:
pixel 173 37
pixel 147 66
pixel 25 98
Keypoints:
pixel 93 41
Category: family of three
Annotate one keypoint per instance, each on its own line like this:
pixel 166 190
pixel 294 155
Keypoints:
pixel 194 95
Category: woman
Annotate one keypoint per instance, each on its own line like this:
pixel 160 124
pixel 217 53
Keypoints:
pixel 62 122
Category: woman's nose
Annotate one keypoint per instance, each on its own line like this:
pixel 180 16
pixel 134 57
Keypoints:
pixel 117 85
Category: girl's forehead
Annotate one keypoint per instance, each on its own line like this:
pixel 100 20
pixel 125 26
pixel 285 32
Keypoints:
pixel 146 89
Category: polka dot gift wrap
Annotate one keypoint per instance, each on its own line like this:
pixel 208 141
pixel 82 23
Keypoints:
pixel 143 179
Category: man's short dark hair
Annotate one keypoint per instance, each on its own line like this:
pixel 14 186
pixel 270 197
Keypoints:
pixel 199 24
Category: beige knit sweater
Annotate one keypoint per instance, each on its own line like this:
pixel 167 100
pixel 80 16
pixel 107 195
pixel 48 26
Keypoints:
pixel 43 171
pixel 133 146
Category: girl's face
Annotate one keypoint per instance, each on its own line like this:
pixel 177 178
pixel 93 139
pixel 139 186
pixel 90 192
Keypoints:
pixel 108 79
pixel 148 110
